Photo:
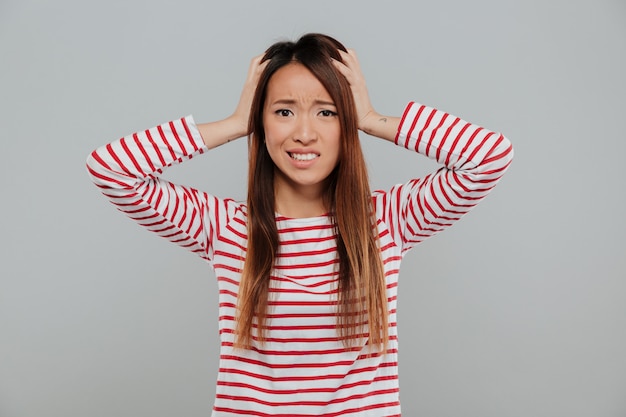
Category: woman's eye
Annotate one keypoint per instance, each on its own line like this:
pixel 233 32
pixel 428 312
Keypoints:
pixel 327 113
pixel 283 112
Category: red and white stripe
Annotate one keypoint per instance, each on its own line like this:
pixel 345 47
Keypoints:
pixel 303 368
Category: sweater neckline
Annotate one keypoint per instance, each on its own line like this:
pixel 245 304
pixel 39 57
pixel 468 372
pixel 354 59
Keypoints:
pixel 315 219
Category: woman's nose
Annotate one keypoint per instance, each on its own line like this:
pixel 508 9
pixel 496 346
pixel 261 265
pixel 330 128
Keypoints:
pixel 305 131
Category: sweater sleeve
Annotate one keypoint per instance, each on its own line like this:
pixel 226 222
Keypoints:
pixel 473 160
pixel 127 170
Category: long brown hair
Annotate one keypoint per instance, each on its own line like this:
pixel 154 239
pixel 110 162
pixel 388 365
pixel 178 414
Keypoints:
pixel 362 297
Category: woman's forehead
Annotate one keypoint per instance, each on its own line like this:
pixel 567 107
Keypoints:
pixel 296 82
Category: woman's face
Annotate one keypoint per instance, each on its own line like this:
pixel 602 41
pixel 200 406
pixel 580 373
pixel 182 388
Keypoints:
pixel 302 130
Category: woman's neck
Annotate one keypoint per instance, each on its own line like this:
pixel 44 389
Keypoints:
pixel 299 202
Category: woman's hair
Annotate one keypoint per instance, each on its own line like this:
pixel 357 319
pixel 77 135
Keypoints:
pixel 361 291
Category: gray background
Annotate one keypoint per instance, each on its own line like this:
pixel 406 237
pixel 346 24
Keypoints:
pixel 518 310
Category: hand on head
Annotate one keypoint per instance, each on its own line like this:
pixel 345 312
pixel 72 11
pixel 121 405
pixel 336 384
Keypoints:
pixel 351 69
pixel 242 112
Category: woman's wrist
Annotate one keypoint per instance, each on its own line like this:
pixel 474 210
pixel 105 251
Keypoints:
pixel 218 133
pixel 380 126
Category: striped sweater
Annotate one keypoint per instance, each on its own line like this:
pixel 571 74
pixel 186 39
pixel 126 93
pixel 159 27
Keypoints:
pixel 303 368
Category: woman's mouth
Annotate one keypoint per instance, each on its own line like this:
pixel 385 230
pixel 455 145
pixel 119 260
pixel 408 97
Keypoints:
pixel 303 156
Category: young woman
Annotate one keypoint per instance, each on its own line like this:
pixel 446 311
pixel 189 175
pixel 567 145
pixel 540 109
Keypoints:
pixel 307 268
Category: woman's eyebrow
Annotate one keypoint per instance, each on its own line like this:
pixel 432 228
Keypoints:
pixel 286 101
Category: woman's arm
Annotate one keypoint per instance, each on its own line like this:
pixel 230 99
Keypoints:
pixel 127 172
pixel 473 160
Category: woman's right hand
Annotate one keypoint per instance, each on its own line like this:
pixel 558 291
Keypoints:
pixel 242 112
pixel 236 125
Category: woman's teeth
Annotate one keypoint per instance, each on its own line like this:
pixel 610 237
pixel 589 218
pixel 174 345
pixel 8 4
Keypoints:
pixel 303 156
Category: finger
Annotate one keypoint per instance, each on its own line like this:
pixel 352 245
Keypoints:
pixel 341 67
pixel 254 63
pixel 350 58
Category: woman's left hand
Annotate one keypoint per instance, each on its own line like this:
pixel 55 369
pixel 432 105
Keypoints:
pixel 369 121
pixel 351 69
